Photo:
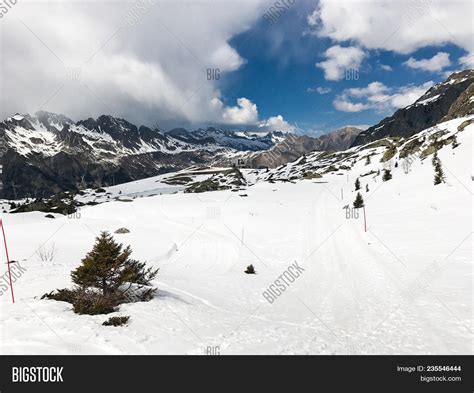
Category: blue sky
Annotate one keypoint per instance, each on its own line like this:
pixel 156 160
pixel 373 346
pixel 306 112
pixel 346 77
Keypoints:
pixel 283 78
pixel 148 65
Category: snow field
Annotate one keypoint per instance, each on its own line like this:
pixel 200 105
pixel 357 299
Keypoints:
pixel 402 287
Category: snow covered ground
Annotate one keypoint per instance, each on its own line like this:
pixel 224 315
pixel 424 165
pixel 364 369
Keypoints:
pixel 402 287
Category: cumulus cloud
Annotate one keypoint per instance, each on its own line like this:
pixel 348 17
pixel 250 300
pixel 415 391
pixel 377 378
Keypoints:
pixel 245 112
pixel 434 64
pixel 339 59
pixel 399 26
pixel 373 89
pixel 153 69
pixel 386 67
pixel 277 123
pixel 380 97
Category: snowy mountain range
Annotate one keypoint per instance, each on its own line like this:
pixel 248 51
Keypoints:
pixel 294 146
pixel 47 153
pixel 242 141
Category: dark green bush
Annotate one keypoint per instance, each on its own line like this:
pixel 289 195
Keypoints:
pixel 93 303
pixel 61 295
pixel 250 270
pixel 116 321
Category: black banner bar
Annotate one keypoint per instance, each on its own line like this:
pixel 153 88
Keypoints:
pixel 90 374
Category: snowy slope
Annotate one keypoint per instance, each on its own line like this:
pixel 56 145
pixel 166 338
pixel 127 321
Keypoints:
pixel 402 287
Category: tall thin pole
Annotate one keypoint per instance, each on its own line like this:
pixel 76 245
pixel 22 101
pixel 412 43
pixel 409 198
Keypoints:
pixel 8 260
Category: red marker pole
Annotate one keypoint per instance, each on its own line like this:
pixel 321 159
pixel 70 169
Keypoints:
pixel 365 220
pixel 8 260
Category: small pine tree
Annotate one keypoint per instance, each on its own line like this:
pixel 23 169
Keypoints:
pixel 434 160
pixel 366 188
pixel 107 267
pixel 378 172
pixel 367 160
pixel 357 184
pixel 455 142
pixel 396 164
pixel 439 174
pixel 250 270
pixel 387 175
pixel 359 201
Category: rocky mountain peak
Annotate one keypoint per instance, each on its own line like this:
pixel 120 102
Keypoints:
pixel 425 112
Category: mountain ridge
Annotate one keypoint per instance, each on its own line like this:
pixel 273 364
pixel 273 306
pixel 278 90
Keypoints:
pixel 430 109
pixel 47 152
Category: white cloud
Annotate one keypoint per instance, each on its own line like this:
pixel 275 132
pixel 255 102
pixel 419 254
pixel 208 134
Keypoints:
pixel 225 58
pixel 400 26
pixel 467 61
pixel 339 59
pixel 313 18
pixel 379 97
pixel 153 70
pixel 245 112
pixel 386 67
pixel 321 90
pixel 434 64
pixel 277 123
pixel 341 103
pixel 407 95
pixel 373 89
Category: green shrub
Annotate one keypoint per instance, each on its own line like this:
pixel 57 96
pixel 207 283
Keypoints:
pixel 93 303
pixel 116 321
pixel 250 270
pixel 387 175
pixel 61 295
